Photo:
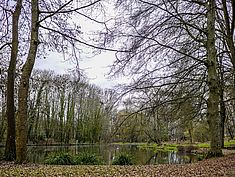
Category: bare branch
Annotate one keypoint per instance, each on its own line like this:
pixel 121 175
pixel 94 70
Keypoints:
pixel 82 42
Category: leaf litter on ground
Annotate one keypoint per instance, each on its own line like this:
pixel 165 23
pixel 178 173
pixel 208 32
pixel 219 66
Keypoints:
pixel 214 167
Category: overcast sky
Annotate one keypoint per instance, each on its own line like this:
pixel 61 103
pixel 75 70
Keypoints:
pixel 95 68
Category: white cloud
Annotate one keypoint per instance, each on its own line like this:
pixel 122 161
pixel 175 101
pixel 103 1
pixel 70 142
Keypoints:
pixel 96 68
pixel 55 62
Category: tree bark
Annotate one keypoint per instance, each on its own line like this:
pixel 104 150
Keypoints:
pixel 222 103
pixel 61 116
pixel 10 147
pixel 21 123
pixel 213 84
pixel 229 29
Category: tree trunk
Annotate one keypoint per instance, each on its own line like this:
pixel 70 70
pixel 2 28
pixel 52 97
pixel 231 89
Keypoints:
pixel 229 21
pixel 2 117
pixel 222 103
pixel 48 122
pixel 61 116
pixel 223 118
pixel 21 123
pixel 10 147
pixel 34 112
pixel 213 100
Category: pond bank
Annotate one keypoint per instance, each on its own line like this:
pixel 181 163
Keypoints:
pixel 223 166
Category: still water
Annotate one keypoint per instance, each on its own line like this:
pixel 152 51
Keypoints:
pixel 37 154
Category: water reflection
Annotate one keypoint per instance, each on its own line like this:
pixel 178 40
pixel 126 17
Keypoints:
pixel 37 154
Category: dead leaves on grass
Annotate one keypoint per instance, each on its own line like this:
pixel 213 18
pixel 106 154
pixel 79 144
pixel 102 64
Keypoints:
pixel 219 167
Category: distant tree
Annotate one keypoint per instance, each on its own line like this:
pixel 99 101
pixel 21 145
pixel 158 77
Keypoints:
pixel 2 103
pixel 63 109
pixel 37 90
pixel 226 20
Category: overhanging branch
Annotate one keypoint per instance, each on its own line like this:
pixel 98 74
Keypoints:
pixel 82 42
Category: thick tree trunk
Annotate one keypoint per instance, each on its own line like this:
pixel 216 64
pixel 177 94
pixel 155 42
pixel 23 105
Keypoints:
pixel 21 123
pixel 213 84
pixel 222 103
pixel 10 147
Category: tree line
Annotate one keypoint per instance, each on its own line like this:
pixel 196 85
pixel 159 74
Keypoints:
pixel 62 109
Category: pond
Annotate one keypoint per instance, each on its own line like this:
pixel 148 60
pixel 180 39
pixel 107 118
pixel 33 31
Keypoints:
pixel 37 154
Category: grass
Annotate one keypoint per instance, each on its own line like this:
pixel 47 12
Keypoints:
pixel 173 146
pixel 166 147
pixel 156 147
pixel 203 145
pixel 163 147
pixel 127 143
pixel 229 143
pixel 226 144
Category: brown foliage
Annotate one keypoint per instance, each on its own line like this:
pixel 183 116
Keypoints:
pixel 223 166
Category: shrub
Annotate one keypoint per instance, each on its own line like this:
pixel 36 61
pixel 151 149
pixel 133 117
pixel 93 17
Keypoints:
pixel 201 157
pixel 60 159
pixel 83 158
pixel 200 133
pixel 187 149
pixel 86 158
pixel 123 159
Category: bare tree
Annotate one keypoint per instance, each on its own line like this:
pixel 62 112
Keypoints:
pixel 169 44
pixel 226 20
pixel 10 148
pixel 21 130
pixel 213 84
pixel 49 26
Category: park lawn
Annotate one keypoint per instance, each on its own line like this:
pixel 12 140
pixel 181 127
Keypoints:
pixel 223 166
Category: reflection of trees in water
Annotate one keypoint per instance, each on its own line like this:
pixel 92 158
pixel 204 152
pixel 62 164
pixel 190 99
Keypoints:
pixel 159 158
pixel 173 158
pixel 170 158
pixel 152 158
pixel 37 154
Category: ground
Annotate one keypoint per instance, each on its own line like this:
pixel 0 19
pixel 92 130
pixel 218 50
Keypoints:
pixel 214 167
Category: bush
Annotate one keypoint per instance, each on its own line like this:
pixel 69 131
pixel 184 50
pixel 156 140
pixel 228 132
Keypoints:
pixel 187 149
pixel 60 159
pixel 123 159
pixel 200 133
pixel 83 158
pixel 86 158
pixel 201 157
